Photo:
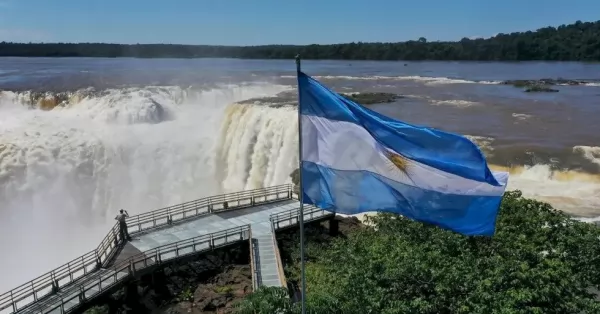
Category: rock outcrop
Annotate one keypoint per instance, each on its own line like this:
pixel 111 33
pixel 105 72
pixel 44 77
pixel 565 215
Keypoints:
pixel 211 283
pixel 218 295
pixel 543 85
pixel 291 99
pixel 372 98
pixel 540 88
pixel 544 81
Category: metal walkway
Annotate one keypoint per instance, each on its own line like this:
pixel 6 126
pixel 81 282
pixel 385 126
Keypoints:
pixel 269 268
pixel 165 235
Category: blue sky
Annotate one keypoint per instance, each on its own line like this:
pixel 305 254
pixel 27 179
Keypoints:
pixel 255 22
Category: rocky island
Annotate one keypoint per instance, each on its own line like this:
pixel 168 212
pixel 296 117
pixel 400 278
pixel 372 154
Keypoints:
pixel 543 85
pixel 371 98
pixel 291 99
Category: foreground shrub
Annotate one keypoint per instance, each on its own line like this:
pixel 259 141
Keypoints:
pixel 539 261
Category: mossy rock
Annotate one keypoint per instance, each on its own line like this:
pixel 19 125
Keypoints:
pixel 541 85
pixel 269 100
pixel 540 88
pixel 544 81
pixel 287 99
pixel 223 289
pixel 372 98
pixel 520 83
pixel 104 309
pixel 295 175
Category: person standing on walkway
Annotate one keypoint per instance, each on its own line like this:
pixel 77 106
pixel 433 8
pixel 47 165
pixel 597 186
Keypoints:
pixel 123 214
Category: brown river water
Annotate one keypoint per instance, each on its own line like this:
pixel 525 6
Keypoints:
pixel 140 134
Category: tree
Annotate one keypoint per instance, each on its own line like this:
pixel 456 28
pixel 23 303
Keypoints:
pixel 539 261
pixel 578 41
pixel 267 300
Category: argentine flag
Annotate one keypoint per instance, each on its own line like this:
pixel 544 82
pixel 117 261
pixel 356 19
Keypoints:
pixel 355 160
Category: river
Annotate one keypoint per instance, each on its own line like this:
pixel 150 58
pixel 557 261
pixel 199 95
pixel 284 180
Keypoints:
pixel 140 134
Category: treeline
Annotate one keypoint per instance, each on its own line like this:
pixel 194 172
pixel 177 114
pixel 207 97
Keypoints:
pixel 576 42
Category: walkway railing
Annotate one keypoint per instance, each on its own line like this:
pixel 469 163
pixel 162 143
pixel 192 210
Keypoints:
pixel 214 204
pixel 140 262
pixel 288 219
pixel 53 281
pixel 292 217
pixel 278 261
pixel 253 269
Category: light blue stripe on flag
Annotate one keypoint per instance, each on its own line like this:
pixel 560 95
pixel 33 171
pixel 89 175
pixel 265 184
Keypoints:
pixel 356 160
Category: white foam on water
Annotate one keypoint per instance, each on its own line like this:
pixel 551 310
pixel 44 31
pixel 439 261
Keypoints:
pixel 64 173
pixel 259 148
pixel 521 116
pixel 455 102
pixel 484 142
pixel 429 80
pixel 588 219
pixel 591 153
pixel 573 192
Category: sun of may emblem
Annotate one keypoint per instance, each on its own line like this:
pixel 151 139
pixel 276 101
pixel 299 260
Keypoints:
pixel 398 161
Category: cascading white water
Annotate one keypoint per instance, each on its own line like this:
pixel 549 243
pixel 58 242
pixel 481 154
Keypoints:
pixel 64 173
pixel 259 147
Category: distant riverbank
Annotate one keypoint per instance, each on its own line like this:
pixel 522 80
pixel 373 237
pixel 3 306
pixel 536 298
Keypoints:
pixel 573 42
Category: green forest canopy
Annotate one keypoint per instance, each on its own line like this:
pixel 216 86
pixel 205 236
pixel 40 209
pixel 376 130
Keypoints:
pixel 539 261
pixel 575 42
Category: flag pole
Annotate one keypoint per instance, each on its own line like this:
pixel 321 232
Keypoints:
pixel 301 194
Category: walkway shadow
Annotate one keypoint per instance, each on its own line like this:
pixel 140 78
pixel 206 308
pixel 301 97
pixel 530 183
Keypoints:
pixel 125 253
pixel 250 210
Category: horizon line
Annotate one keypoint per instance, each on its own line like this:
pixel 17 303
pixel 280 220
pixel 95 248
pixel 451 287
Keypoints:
pixel 469 38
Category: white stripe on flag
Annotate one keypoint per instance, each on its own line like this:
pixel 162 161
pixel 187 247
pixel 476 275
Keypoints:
pixel 347 146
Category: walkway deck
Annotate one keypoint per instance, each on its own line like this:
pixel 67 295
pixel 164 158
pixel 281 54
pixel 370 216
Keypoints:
pixel 266 264
pixel 257 217
pixel 165 235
